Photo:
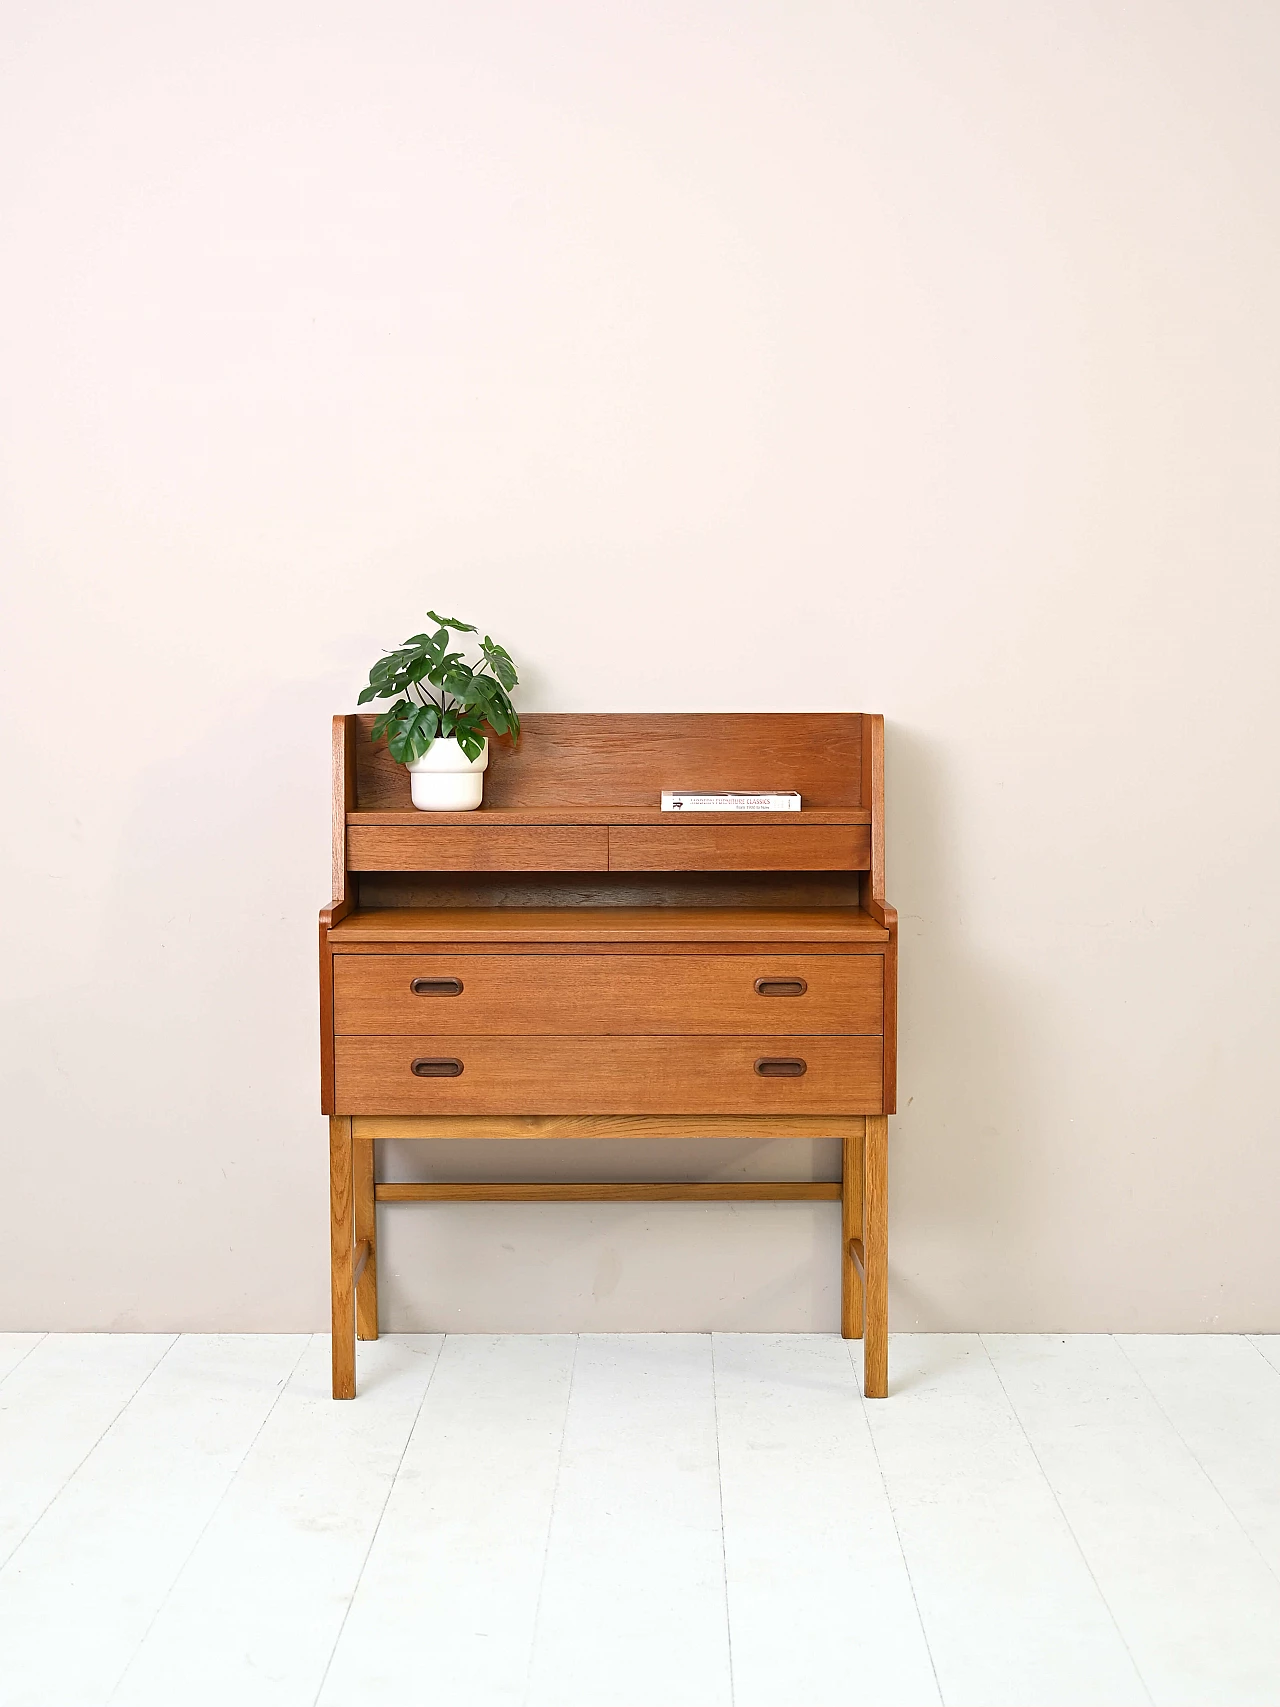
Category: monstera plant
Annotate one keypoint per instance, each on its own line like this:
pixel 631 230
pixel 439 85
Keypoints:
pixel 444 707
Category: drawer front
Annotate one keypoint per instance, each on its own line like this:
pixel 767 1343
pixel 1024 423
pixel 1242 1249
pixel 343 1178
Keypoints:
pixel 749 847
pixel 615 1075
pixel 479 847
pixel 497 995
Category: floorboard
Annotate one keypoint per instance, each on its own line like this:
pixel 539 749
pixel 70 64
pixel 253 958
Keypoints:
pixel 130 1516
pixel 630 1520
pixel 1223 1399
pixel 1198 1605
pixel 14 1348
pixel 255 1613
pixel 632 1610
pixel 446 1605
pixel 1009 1607
pixel 811 1548
pixel 55 1406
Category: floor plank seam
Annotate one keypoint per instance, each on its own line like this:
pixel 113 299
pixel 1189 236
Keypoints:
pixel 893 1518
pixel 68 1479
pixel 382 1512
pixel 39 1340
pixel 1075 1539
pixel 1195 1456
pixel 1270 1362
pixel 551 1517
pixel 724 1554
pixel 177 1575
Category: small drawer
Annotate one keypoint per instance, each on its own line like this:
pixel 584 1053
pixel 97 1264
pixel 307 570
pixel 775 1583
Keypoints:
pixel 478 847
pixel 450 1073
pixel 488 995
pixel 749 847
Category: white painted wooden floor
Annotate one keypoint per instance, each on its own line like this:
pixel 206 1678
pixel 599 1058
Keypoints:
pixel 639 1519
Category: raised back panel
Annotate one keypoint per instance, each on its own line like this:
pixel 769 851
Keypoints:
pixel 627 759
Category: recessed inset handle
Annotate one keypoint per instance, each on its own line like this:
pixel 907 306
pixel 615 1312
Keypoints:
pixel 436 986
pixel 437 1067
pixel 781 986
pixel 781 1067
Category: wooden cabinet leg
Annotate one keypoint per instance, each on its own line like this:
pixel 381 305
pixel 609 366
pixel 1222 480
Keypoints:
pixel 342 1256
pixel 851 1229
pixel 875 1241
pixel 366 1233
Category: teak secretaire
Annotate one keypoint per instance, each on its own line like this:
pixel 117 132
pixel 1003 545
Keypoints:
pixel 570 961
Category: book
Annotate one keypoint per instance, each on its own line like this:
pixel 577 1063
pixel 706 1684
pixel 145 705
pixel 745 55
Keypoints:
pixel 732 800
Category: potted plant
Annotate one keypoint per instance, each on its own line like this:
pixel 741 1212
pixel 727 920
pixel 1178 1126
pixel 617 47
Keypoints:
pixel 442 736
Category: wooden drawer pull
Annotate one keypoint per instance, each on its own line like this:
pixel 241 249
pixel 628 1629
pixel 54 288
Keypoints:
pixel 781 986
pixel 437 1067
pixel 781 1067
pixel 436 986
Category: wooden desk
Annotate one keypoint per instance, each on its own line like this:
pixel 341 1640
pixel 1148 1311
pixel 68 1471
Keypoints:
pixel 569 961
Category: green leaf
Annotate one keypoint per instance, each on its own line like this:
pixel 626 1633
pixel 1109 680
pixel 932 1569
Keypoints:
pixel 411 734
pixel 392 718
pixel 460 679
pixel 471 742
pixel 366 694
pixel 452 622
pixel 500 662
pixel 442 668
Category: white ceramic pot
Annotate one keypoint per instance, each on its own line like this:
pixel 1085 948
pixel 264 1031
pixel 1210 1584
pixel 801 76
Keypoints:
pixel 444 779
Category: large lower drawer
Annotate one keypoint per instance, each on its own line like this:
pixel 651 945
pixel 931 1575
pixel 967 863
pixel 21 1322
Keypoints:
pixel 488 995
pixel 613 1075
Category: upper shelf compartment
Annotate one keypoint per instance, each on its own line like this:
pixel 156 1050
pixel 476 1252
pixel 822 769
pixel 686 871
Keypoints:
pixel 625 760
pixel 583 792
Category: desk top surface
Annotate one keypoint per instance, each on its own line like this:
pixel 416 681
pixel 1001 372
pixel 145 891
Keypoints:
pixel 489 817
pixel 514 925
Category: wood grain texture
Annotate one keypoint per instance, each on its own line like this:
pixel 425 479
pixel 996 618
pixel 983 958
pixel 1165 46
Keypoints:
pixel 614 1075
pixel 326 1023
pixel 661 949
pixel 606 995
pixel 342 780
pixel 873 889
pixel 609 889
pixel 875 1248
pixel 342 764
pixel 574 759
pixel 872 777
pixel 614 1191
pixel 341 1258
pixel 851 1229
pixel 872 896
pixel 740 847
pixel 890 1018
pixel 477 847
pixel 513 925
pixel 601 1126
pixel 366 1233
pixel 652 818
